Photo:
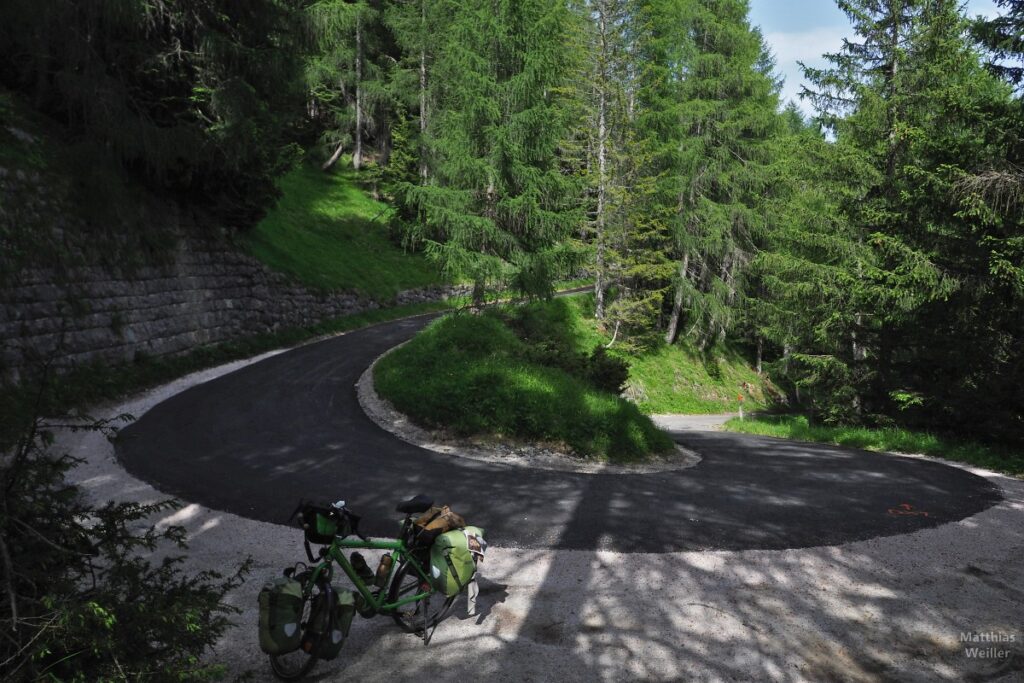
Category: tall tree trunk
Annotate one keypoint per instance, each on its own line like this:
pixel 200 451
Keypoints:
pixel 896 13
pixel 423 90
pixel 677 303
pixel 357 153
pixel 479 289
pixel 760 354
pixel 384 146
pixel 602 168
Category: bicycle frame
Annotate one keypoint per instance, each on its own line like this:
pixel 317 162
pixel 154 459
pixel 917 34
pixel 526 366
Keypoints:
pixel 376 600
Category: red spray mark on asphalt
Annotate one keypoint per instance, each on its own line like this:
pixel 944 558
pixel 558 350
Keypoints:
pixel 906 509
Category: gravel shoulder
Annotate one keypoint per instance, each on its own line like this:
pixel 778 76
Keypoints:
pixel 890 608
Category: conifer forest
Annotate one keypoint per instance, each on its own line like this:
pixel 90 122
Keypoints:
pixel 870 256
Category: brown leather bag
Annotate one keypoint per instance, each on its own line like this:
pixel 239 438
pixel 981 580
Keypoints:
pixel 434 522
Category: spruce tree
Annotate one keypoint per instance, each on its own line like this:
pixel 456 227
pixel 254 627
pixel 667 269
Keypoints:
pixel 415 25
pixel 605 121
pixel 497 206
pixel 806 280
pixel 707 109
pixel 198 97
pixel 1003 36
pixel 638 253
pixel 913 98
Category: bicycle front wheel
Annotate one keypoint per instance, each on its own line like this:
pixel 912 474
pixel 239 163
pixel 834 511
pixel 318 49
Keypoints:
pixel 415 616
pixel 292 666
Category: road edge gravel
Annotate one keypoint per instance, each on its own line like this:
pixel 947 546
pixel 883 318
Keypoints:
pixel 891 606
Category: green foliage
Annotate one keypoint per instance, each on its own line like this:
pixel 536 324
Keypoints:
pixel 1003 36
pixel 496 204
pixel 474 374
pixel 713 179
pixel 82 599
pixel 807 279
pixel 885 440
pixel 680 378
pixel 607 372
pixel 349 76
pixel 329 234
pixel 195 96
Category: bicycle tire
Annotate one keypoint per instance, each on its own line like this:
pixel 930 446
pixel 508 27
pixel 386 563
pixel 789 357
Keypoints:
pixel 294 665
pixel 410 617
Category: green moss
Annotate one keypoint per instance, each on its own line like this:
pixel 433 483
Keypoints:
pixel 888 440
pixel 329 234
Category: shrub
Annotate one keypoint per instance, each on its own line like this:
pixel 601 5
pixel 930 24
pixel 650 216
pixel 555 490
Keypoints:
pixel 80 601
pixel 607 372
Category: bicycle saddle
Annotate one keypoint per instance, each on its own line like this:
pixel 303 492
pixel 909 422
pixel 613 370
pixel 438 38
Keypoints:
pixel 418 504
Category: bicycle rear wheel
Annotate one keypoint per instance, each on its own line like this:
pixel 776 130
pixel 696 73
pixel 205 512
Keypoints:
pixel 413 617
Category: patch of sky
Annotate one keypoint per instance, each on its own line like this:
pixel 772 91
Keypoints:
pixel 804 30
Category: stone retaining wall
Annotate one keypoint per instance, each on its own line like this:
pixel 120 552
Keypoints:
pixel 202 292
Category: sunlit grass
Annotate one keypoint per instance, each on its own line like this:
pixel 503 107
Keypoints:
pixel 886 440
pixel 328 233
pixel 472 375
pixel 677 378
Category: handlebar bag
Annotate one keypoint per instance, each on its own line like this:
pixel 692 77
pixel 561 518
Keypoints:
pixel 322 524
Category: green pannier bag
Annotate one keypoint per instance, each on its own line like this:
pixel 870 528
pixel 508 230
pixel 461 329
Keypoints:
pixel 452 563
pixel 329 628
pixel 280 613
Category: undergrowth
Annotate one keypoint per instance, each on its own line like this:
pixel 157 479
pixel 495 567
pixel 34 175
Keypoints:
pixel 519 371
pixel 889 440
pixel 329 234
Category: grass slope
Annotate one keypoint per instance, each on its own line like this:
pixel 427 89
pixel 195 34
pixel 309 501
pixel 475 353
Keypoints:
pixel 893 440
pixel 475 374
pixel 329 234
pixel 678 378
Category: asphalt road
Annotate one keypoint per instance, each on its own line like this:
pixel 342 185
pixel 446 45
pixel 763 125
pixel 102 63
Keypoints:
pixel 256 441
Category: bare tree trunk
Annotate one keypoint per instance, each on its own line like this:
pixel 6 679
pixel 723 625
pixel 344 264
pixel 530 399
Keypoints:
pixel 602 166
pixel 334 157
pixel 760 355
pixel 385 145
pixel 357 153
pixel 677 303
pixel 423 90
pixel 896 14
pixel 479 289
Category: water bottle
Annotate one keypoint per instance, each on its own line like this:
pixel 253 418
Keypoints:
pixel 383 570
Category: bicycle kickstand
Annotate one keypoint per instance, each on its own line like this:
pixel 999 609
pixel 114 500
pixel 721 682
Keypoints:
pixel 426 611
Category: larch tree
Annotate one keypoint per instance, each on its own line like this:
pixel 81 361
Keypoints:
pixel 639 253
pixel 606 84
pixel 731 117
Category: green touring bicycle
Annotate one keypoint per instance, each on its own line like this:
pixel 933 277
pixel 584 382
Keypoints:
pixel 304 618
